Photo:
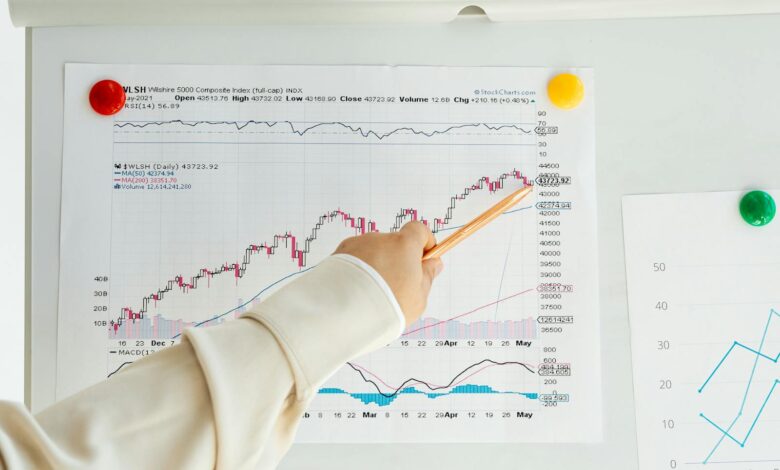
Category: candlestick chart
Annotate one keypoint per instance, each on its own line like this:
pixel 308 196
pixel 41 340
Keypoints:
pixel 201 201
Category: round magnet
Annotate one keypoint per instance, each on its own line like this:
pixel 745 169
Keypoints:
pixel 757 208
pixel 566 91
pixel 107 97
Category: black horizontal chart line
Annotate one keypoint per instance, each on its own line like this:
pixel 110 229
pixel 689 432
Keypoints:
pixel 360 224
pixel 404 128
pixel 312 162
pixel 499 134
pixel 376 136
pixel 360 370
pixel 356 122
pixel 324 143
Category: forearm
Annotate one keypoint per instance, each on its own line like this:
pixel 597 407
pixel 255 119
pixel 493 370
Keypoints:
pixel 229 396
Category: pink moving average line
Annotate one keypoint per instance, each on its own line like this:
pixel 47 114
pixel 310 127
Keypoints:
pixel 299 251
pixel 469 312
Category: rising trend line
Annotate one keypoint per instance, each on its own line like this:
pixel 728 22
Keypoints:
pixel 481 307
pixel 302 130
pixel 295 273
pixel 726 433
pixel 126 363
pixel 752 425
pixel 298 252
pixel 284 278
pixel 244 304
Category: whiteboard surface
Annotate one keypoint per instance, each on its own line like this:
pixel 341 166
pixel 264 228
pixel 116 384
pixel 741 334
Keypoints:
pixel 682 105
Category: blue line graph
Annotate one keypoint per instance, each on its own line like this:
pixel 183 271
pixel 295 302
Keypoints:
pixel 302 130
pixel 384 400
pixel 250 300
pixel 759 354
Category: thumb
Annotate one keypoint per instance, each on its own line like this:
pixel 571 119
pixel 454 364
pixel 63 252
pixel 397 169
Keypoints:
pixel 431 268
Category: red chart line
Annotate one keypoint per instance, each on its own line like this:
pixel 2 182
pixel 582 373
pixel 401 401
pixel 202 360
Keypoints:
pixel 516 294
pixel 298 247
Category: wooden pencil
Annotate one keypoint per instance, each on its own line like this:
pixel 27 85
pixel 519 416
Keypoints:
pixel 477 223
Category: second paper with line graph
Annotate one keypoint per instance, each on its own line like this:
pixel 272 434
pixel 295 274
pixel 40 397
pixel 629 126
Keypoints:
pixel 216 185
pixel 705 331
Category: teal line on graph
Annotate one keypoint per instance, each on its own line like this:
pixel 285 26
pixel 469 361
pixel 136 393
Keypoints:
pixel 384 400
pixel 726 433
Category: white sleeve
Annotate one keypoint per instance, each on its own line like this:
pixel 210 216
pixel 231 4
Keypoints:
pixel 229 396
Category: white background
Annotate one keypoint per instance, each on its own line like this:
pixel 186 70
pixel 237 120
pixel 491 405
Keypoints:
pixel 11 208
pixel 682 105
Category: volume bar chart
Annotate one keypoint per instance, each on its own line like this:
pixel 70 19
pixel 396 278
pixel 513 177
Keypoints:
pixel 384 400
pixel 507 329
pixel 211 190
pixel 385 394
pixel 297 250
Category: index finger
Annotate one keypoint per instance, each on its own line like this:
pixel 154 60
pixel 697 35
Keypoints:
pixel 420 233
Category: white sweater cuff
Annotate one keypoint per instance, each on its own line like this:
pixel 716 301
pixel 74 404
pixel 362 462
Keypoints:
pixel 334 313
pixel 380 281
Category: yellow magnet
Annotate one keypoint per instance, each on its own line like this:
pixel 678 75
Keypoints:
pixel 566 91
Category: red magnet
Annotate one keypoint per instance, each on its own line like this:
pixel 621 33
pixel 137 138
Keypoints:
pixel 107 97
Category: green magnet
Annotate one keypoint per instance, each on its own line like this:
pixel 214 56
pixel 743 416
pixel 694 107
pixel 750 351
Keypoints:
pixel 757 208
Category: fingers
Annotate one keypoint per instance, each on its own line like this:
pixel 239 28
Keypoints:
pixel 345 245
pixel 431 268
pixel 419 233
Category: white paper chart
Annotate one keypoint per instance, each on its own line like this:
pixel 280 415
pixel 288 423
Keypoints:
pixel 215 185
pixel 704 303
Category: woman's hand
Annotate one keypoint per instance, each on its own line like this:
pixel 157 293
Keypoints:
pixel 397 257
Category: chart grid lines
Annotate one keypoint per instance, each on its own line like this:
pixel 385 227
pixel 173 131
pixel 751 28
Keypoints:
pixel 224 191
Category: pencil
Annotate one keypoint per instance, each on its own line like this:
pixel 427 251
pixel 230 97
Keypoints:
pixel 477 223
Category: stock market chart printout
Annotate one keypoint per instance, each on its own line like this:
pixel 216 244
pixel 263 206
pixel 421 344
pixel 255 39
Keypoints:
pixel 214 186
pixel 704 306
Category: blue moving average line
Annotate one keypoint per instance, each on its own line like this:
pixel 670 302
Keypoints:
pixel 264 289
pixel 759 354
pixel 248 301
